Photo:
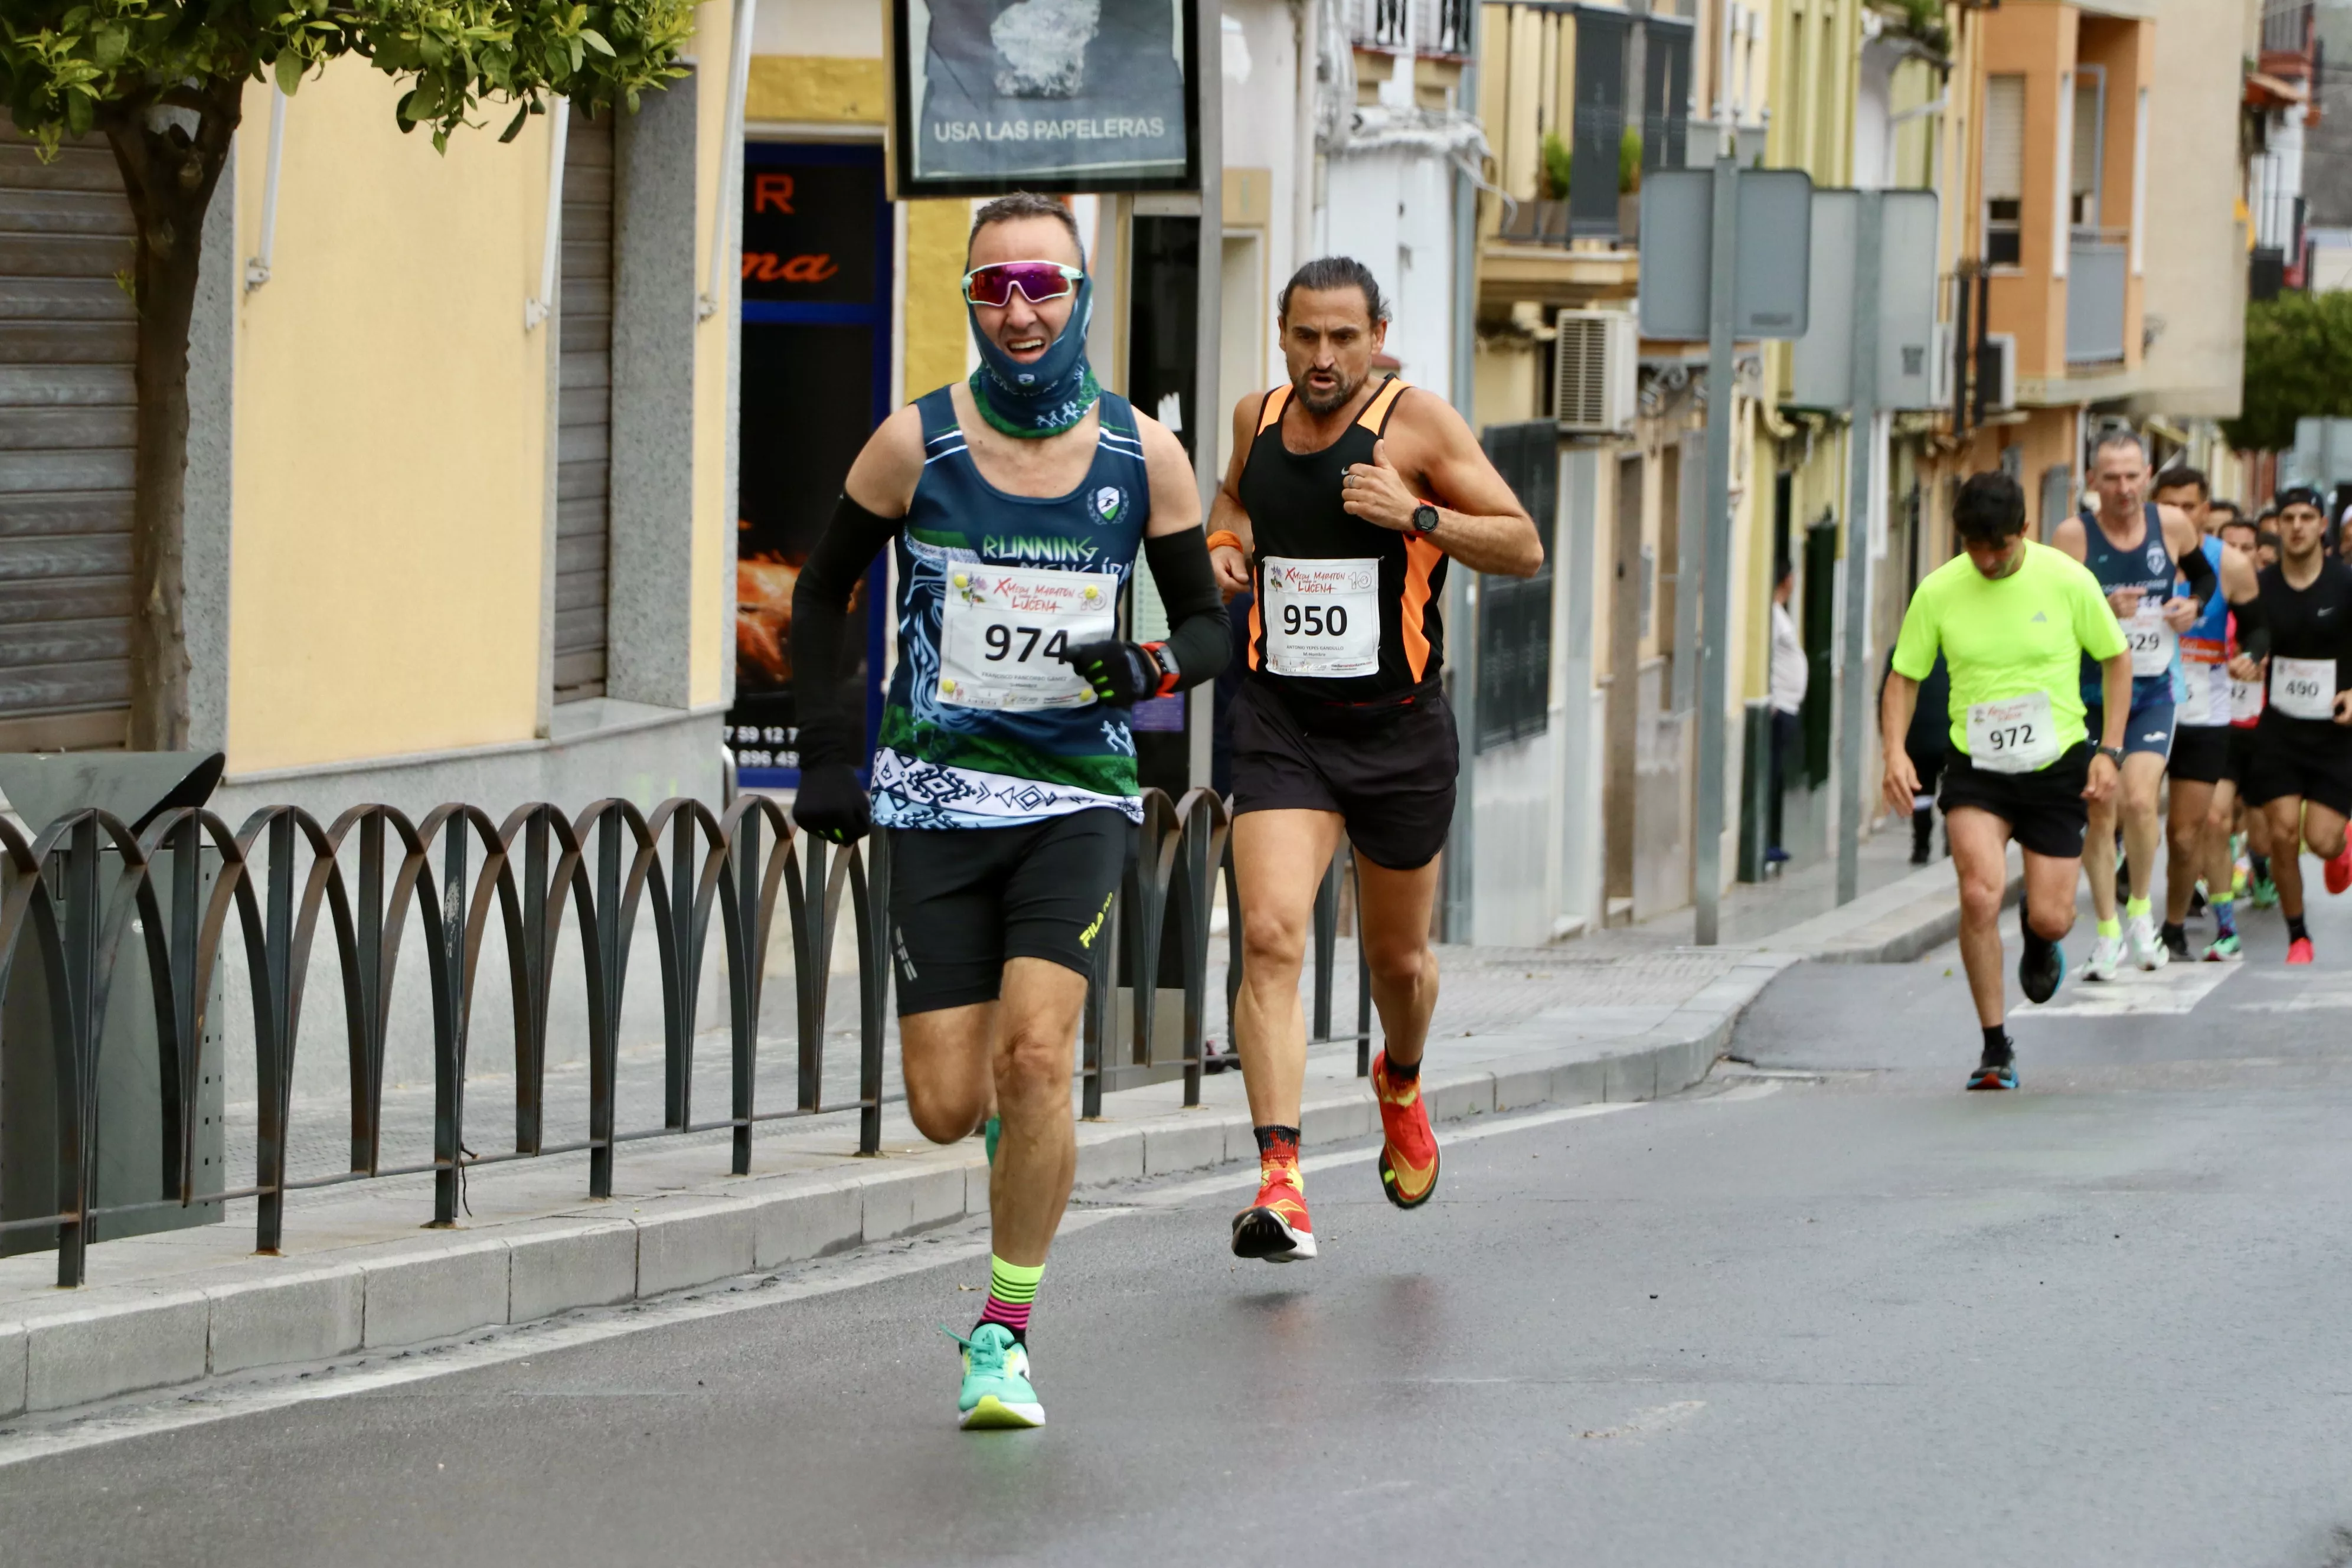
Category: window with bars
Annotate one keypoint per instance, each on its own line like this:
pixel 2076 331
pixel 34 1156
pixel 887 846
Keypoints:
pixel 1514 613
pixel 2004 171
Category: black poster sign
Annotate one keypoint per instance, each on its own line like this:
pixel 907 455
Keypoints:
pixel 1044 95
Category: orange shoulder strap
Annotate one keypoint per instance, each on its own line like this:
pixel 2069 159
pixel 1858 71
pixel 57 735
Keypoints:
pixel 1270 411
pixel 1375 417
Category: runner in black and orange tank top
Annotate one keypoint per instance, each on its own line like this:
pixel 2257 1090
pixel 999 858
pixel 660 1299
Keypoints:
pixel 1346 611
pixel 1345 500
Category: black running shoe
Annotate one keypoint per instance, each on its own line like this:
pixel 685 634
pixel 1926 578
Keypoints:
pixel 2041 969
pixel 2176 942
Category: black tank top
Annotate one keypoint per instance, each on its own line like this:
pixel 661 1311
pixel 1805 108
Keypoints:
pixel 2314 622
pixel 1296 514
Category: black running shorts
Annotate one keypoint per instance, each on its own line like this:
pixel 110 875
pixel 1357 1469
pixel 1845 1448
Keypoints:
pixel 965 900
pixel 2241 753
pixel 2045 810
pixel 2307 757
pixel 1389 776
pixel 2200 753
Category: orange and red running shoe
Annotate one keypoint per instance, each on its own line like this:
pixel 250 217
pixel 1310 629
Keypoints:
pixel 1275 1227
pixel 2339 870
pixel 1408 1147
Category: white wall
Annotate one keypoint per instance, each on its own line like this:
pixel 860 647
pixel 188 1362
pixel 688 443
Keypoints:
pixel 1394 212
pixel 817 27
pixel 1261 97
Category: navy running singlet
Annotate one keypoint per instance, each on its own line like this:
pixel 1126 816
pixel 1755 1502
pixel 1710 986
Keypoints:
pixel 2148 566
pixel 984 727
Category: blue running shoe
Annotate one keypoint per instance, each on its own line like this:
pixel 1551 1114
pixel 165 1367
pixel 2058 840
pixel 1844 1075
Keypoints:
pixel 2041 975
pixel 996 1395
pixel 1993 1078
pixel 989 1135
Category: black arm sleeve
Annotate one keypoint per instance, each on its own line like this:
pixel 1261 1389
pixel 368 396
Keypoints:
pixel 2253 629
pixel 1197 633
pixel 2203 581
pixel 819 610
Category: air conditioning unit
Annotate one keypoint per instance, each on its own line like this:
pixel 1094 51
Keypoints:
pixel 1592 372
pixel 1996 371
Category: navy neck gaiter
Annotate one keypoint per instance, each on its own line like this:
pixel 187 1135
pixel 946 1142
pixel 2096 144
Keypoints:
pixel 1033 400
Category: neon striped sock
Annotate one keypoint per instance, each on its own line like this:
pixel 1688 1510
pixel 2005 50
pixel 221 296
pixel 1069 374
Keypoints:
pixel 1012 1289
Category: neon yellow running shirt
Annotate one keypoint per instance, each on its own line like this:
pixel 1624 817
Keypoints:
pixel 2009 637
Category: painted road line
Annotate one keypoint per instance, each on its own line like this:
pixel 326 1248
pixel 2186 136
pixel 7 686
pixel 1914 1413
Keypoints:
pixel 34 1438
pixel 2176 988
pixel 2311 991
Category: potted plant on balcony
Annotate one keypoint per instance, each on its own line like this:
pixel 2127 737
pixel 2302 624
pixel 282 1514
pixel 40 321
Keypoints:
pixel 1628 186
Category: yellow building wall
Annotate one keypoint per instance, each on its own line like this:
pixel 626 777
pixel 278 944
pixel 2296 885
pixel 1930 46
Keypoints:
pixel 390 436
pixel 852 90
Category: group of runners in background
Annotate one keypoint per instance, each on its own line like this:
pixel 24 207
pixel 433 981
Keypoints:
pixel 2163 666
pixel 1019 506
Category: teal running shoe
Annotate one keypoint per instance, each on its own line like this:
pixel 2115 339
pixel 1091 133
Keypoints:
pixel 2264 893
pixel 996 1395
pixel 989 1135
pixel 2224 949
pixel 1996 1079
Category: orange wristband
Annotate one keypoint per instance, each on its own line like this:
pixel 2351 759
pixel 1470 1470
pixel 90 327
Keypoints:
pixel 1226 537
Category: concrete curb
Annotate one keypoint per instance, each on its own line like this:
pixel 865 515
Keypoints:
pixel 107 1340
pixel 1895 924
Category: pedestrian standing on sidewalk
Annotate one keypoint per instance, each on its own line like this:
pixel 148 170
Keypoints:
pixel 1925 744
pixel 1790 676
pixel 2014 620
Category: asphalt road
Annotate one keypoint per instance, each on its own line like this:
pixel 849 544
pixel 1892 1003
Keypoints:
pixel 1828 1310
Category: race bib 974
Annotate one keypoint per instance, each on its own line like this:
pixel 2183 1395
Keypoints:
pixel 1004 628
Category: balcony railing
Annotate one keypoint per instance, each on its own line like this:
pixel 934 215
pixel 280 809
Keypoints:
pixel 1434 27
pixel 2288 27
pixel 2096 266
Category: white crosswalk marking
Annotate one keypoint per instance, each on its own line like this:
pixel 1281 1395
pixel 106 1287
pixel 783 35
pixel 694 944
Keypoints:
pixel 2309 992
pixel 2174 988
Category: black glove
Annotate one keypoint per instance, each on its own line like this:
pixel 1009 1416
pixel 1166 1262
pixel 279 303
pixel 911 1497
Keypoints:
pixel 832 803
pixel 1123 673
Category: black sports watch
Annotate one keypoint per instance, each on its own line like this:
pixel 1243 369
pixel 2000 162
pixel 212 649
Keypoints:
pixel 1424 519
pixel 2112 754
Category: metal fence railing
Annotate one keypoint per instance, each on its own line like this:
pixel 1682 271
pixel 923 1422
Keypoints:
pixel 88 902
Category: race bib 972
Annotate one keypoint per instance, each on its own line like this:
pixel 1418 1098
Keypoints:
pixel 2013 737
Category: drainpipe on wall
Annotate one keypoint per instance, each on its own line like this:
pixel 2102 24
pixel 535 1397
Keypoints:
pixel 1460 883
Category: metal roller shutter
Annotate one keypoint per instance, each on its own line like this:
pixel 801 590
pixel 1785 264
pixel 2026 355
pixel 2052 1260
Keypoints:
pixel 584 410
pixel 67 405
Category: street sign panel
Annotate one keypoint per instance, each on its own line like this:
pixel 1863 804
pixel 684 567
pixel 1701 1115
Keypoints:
pixel 1775 245
pixel 1821 362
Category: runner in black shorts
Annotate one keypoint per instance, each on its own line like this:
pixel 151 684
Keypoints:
pixel 2200 736
pixel 2013 620
pixel 2300 776
pixel 1015 506
pixel 1345 499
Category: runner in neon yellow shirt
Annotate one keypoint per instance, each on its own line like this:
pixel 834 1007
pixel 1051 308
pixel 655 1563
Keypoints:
pixel 2014 620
